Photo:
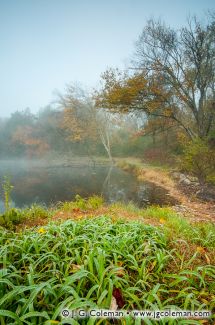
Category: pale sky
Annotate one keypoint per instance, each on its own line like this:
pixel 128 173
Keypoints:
pixel 46 44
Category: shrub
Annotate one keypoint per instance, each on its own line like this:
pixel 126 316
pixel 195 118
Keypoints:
pixel 198 159
pixel 94 202
pixel 81 203
pixel 36 211
pixel 10 218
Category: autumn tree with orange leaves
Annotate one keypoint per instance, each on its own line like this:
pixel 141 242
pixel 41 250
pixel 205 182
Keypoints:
pixel 173 79
pixel 35 146
pixel 83 122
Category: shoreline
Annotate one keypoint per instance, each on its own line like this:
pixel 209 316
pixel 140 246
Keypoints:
pixel 190 207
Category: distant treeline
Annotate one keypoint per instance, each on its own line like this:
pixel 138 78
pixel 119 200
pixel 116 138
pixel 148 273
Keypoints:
pixel 28 135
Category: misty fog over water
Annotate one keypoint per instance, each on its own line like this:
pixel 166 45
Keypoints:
pixel 39 182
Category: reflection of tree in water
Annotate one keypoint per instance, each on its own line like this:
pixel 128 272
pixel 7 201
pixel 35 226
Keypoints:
pixel 119 186
pixel 106 184
pixel 50 185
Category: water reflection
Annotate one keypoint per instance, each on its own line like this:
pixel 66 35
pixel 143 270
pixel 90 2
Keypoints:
pixel 48 185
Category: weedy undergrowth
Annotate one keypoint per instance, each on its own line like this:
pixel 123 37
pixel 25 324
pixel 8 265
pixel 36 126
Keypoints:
pixel 93 202
pixel 11 216
pixel 7 188
pixel 79 264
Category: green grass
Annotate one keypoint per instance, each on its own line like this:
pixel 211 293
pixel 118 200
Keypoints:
pixel 77 264
pixel 133 165
pixel 176 226
pixel 93 202
pixel 13 217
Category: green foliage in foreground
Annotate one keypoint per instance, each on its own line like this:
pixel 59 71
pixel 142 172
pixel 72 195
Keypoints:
pixel 12 217
pixel 198 159
pixel 93 202
pixel 77 264
pixel 179 227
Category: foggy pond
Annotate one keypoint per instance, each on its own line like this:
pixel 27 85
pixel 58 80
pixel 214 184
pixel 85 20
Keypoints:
pixel 46 184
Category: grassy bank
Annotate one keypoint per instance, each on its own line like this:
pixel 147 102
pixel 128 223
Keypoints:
pixel 84 254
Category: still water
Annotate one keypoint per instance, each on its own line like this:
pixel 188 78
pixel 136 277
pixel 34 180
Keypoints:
pixel 44 184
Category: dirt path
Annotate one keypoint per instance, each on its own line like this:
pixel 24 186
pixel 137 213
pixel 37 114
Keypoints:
pixel 189 206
